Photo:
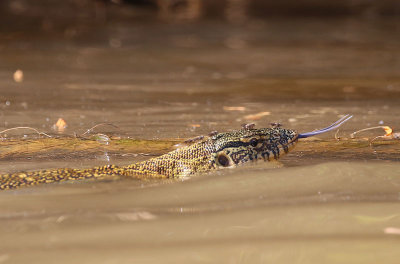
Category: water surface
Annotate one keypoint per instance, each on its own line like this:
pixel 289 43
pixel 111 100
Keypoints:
pixel 320 204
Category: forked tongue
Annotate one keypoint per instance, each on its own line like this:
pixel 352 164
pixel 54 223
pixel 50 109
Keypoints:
pixel 335 125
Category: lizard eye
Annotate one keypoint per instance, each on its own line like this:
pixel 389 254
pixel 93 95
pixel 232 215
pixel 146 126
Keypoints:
pixel 223 160
pixel 253 142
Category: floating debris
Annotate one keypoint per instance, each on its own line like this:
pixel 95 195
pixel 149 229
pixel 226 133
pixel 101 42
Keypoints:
pixel 60 125
pixel 388 133
pixel 392 231
pixel 194 126
pixel 257 116
pixel 90 130
pixel 388 130
pixel 18 76
pixel 234 108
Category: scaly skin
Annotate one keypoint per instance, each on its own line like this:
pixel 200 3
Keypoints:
pixel 221 150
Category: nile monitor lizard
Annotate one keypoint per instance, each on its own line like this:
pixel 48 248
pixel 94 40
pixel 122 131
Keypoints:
pixel 219 150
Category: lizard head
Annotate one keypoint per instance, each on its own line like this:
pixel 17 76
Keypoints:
pixel 249 144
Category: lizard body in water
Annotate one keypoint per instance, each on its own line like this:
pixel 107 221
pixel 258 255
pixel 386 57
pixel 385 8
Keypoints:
pixel 220 150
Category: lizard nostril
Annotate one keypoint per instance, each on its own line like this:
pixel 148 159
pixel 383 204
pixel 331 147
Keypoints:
pixel 223 160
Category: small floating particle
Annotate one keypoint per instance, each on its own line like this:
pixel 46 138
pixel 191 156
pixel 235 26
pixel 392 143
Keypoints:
pixel 388 130
pixel 381 122
pixel 18 76
pixel 234 108
pixel 194 125
pixel 257 116
pixel 392 230
pixel 292 120
pixel 60 125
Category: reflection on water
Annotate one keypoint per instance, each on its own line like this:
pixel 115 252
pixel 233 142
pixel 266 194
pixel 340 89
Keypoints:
pixel 169 81
pixel 325 213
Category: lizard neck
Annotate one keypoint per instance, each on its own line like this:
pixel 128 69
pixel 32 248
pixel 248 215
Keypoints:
pixel 180 163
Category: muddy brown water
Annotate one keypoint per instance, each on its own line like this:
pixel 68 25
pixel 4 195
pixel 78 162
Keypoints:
pixel 174 81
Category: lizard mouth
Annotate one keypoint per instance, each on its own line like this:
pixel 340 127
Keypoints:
pixel 286 147
pixel 282 147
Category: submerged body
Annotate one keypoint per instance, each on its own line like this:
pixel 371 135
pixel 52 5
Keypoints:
pixel 220 150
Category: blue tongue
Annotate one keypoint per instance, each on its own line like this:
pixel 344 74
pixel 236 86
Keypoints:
pixel 326 129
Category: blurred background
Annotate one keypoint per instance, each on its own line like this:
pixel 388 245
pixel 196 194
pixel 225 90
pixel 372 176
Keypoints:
pixel 170 65
pixel 45 13
pixel 182 67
